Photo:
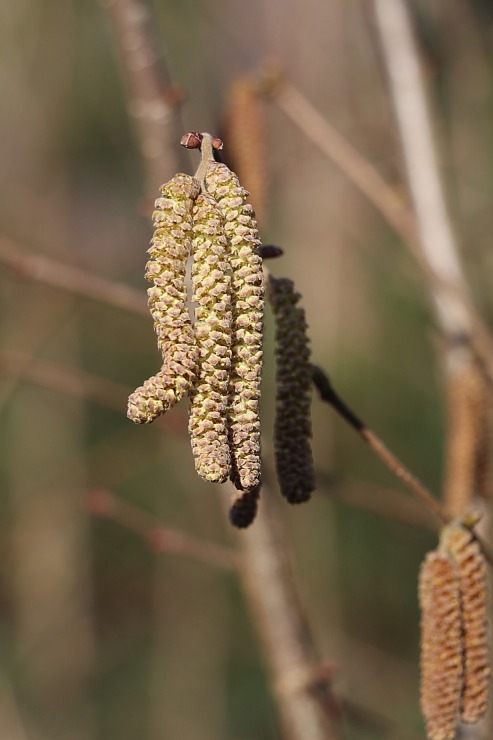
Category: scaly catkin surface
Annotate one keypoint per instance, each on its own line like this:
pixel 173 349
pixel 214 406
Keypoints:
pixel 292 427
pixel 441 646
pixel 212 294
pixel 247 292
pixel 166 269
pixel 471 567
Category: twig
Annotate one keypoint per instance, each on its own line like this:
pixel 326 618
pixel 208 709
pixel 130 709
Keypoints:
pixel 329 395
pixel 161 539
pixel 151 102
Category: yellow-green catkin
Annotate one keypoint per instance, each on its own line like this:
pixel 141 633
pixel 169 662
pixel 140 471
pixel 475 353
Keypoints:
pixel 167 298
pixel 211 277
pixel 292 427
pixel 471 567
pixel 441 646
pixel 247 301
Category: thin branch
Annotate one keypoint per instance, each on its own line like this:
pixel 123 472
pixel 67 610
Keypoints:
pixel 159 538
pixel 391 461
pixel 28 266
pixel 151 102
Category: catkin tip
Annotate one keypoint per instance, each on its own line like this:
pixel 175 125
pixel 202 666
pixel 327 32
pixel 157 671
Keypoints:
pixel 244 508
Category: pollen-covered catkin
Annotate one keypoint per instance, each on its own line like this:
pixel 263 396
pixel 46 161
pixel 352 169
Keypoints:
pixel 247 301
pixel 441 646
pixel 212 295
pixel 292 427
pixel 167 298
pixel 471 566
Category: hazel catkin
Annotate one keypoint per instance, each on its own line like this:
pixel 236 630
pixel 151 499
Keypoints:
pixel 247 301
pixel 167 299
pixel 292 426
pixel 441 646
pixel 212 295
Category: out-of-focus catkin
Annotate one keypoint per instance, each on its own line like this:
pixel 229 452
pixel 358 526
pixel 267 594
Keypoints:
pixel 212 294
pixel 245 131
pixel 469 560
pixel 244 508
pixel 167 297
pixel 247 294
pixel 292 428
pixel 467 445
pixel 441 646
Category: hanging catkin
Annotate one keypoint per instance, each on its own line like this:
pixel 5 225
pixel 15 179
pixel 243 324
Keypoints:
pixel 471 567
pixel 212 294
pixel 292 427
pixel 441 646
pixel 167 298
pixel 247 300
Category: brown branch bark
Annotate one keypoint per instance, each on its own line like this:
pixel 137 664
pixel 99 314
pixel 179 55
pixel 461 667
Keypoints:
pixel 25 265
pixel 306 705
pixel 151 103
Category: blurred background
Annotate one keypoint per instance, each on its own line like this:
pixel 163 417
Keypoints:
pixel 101 635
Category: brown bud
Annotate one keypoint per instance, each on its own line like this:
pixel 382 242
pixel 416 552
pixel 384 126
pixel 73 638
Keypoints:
pixel 192 140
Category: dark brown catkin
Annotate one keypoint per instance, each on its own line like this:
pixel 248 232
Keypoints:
pixel 247 301
pixel 292 426
pixel 212 295
pixel 166 269
pixel 244 508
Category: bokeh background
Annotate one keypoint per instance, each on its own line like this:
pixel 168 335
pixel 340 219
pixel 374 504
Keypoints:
pixel 100 635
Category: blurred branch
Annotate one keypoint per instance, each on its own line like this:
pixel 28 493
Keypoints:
pixel 304 698
pixel 356 167
pixel 161 539
pixel 329 395
pixel 438 243
pixel 73 382
pixel 151 102
pixel 397 212
pixel 28 266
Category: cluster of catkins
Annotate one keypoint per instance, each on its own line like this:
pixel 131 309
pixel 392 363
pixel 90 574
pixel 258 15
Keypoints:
pixel 216 359
pixel 455 671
